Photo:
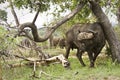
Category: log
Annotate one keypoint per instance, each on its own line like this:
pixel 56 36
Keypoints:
pixel 60 58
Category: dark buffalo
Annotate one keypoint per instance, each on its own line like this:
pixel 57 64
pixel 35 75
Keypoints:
pixel 62 43
pixel 56 41
pixel 92 44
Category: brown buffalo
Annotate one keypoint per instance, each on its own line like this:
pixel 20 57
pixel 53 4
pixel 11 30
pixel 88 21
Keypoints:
pixel 85 37
pixel 56 41
pixel 62 43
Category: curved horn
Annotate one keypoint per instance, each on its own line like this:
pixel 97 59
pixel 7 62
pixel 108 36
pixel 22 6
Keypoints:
pixel 94 32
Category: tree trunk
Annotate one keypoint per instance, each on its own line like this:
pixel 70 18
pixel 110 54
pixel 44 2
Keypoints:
pixel 118 15
pixel 0 70
pixel 108 30
pixel 51 41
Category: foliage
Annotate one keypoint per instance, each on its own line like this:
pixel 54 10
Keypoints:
pixel 30 4
pixel 61 6
pixel 110 5
pixel 3 15
pixel 2 1
pixel 6 40
pixel 44 4
pixel 2 38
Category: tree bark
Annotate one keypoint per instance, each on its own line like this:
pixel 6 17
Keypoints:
pixel 118 16
pixel 49 33
pixel 14 13
pixel 51 41
pixel 0 71
pixel 110 35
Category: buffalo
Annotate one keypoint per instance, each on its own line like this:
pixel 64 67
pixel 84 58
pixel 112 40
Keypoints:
pixel 62 43
pixel 56 41
pixel 87 37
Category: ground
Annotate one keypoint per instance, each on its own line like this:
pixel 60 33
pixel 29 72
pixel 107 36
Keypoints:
pixel 104 69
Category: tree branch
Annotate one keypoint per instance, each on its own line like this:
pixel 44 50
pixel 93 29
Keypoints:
pixel 14 13
pixel 49 33
pixel 36 15
pixel 59 58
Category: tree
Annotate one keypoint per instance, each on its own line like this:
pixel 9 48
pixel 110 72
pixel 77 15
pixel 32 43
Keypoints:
pixel 3 15
pixel 108 30
pixel 118 15
pixel 52 29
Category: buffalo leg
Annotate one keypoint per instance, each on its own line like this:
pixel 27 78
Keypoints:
pixel 90 54
pixel 79 56
pixel 79 52
pixel 95 56
pixel 67 51
pixel 96 53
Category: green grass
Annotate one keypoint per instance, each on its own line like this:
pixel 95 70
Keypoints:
pixel 104 70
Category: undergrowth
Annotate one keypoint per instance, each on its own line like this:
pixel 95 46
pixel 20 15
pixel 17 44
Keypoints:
pixel 104 70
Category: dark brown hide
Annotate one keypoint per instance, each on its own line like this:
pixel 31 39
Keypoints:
pixel 62 43
pixel 93 46
pixel 56 42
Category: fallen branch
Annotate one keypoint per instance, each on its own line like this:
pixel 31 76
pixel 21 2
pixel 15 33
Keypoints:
pixel 60 58
pixel 46 74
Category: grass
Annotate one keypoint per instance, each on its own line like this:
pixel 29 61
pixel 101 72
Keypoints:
pixel 104 70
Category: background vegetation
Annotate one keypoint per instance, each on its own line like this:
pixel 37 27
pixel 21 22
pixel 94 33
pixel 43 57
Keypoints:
pixel 104 69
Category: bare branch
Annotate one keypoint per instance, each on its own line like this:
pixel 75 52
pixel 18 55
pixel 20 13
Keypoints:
pixel 59 58
pixel 34 31
pixel 36 15
pixel 49 33
pixel 14 13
